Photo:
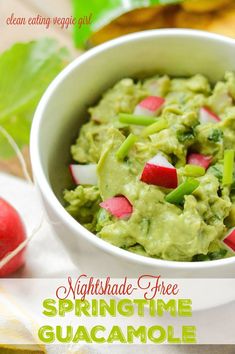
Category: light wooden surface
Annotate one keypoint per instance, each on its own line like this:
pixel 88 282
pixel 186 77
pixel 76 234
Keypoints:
pixel 11 34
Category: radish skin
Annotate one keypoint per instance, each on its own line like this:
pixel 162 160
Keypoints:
pixel 12 234
pixel 118 206
pixel 199 160
pixel 160 172
pixel 229 240
pixel 150 106
pixel 207 116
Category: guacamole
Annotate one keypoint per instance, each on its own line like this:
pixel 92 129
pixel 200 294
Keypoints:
pixel 180 208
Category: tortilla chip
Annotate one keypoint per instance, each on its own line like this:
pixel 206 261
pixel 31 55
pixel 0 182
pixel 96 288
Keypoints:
pixel 224 22
pixel 221 22
pixel 173 16
pixel 139 16
pixel 134 21
pixel 185 19
pixel 200 6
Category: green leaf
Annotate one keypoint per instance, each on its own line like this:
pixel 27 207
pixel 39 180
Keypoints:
pixel 26 70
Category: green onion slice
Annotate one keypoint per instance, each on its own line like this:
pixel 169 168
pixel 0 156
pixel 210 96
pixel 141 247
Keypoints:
pixel 156 127
pixel 126 146
pixel 194 171
pixel 228 167
pixel 186 188
pixel 136 120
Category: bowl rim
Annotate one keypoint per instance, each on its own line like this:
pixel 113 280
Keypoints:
pixel 44 185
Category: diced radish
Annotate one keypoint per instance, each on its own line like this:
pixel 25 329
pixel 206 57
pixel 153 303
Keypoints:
pixel 199 160
pixel 149 106
pixel 230 240
pixel 12 234
pixel 84 174
pixel 160 172
pixel 118 206
pixel 207 116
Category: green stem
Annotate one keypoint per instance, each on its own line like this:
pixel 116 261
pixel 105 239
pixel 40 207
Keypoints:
pixel 186 188
pixel 126 146
pixel 136 120
pixel 194 171
pixel 228 167
pixel 156 127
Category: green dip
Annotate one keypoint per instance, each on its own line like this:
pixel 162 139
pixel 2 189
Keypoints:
pixel 189 231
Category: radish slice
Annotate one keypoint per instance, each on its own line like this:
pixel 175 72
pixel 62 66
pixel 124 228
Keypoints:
pixel 199 160
pixel 160 172
pixel 230 240
pixel 118 206
pixel 207 116
pixel 84 174
pixel 149 106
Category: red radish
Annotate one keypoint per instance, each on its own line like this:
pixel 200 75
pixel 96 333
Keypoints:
pixel 199 160
pixel 207 116
pixel 84 174
pixel 160 172
pixel 118 206
pixel 230 240
pixel 149 106
pixel 12 234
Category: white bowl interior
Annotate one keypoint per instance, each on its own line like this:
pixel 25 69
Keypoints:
pixel 176 53
pixel 64 106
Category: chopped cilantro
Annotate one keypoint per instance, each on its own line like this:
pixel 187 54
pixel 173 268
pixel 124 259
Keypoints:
pixel 216 135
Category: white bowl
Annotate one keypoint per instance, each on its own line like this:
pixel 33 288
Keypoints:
pixel 62 110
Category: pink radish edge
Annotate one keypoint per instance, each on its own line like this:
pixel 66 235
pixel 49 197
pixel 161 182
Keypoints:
pixel 75 180
pixel 199 160
pixel 118 206
pixel 159 171
pixel 149 106
pixel 84 174
pixel 206 116
pixel 229 240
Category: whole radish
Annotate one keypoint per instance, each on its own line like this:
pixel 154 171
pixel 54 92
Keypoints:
pixel 12 233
